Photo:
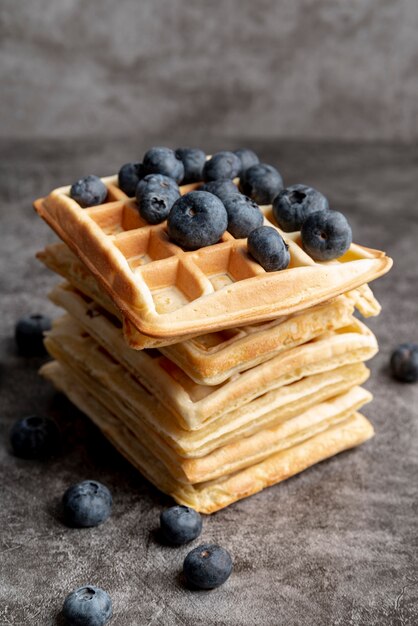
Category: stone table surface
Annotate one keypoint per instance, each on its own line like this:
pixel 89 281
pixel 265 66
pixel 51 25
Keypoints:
pixel 334 545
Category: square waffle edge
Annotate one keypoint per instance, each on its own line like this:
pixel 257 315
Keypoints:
pixel 165 290
pixel 212 496
pixel 112 384
pixel 213 358
pixel 239 454
pixel 60 259
pixel 193 405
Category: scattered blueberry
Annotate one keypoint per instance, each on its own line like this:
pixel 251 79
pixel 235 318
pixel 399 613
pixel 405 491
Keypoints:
pixel 129 176
pixel 89 191
pixel 268 248
pixel 88 503
pixel 163 161
pixel 293 205
pixel 404 362
pixel 87 606
pixel 34 437
pixel 326 235
pixel 29 334
pixel 155 195
pixel 193 160
pixel 243 215
pixel 207 566
pixel 197 219
pixel 247 158
pixel 220 188
pixel 180 524
pixel 222 165
pixel 261 182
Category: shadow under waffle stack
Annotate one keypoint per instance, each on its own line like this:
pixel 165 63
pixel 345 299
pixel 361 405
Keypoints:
pixel 213 377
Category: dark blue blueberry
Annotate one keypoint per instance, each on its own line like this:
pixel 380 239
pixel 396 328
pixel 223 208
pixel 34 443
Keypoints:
pixel 243 215
pixel 326 235
pixel 35 437
pixel 87 606
pixel 293 205
pixel 155 195
pixel 220 188
pixel 156 182
pixel 89 191
pixel 29 334
pixel 129 176
pixel 221 166
pixel 88 503
pixel 247 158
pixel 180 524
pixel 193 160
pixel 267 246
pixel 404 362
pixel 163 161
pixel 197 219
pixel 261 182
pixel 207 566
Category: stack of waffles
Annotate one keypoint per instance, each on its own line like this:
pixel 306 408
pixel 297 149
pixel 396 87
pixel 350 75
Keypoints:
pixel 213 377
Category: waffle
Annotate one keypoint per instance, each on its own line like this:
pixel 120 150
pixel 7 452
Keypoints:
pixel 194 405
pixel 202 361
pixel 212 359
pixel 166 291
pixel 117 388
pixel 208 497
pixel 244 450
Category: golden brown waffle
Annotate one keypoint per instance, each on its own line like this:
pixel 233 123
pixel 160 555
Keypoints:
pixel 212 359
pixel 115 386
pixel 194 405
pixel 208 497
pixel 246 448
pixel 166 291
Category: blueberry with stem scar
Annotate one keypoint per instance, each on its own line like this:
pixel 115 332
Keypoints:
pixel 197 219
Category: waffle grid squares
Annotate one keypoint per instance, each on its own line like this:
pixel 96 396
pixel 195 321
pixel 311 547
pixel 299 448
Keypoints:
pixel 162 288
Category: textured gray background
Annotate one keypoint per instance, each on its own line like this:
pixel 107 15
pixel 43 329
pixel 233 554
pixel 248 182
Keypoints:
pixel 237 68
pixel 336 545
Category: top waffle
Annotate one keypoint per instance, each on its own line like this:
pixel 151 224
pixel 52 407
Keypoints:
pixel 164 290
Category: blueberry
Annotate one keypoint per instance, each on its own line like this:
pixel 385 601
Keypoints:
pixel 163 161
pixel 87 606
pixel 89 191
pixel 404 362
pixel 197 219
pixel 207 566
pixel 268 248
pixel 220 188
pixel 193 160
pixel 156 182
pixel 34 437
pixel 247 158
pixel 129 176
pixel 88 503
pixel 293 205
pixel 180 524
pixel 326 235
pixel 261 182
pixel 243 215
pixel 223 165
pixel 155 195
pixel 29 334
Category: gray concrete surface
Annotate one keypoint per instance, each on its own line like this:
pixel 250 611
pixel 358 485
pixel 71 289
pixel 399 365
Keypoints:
pixel 336 545
pixel 295 68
